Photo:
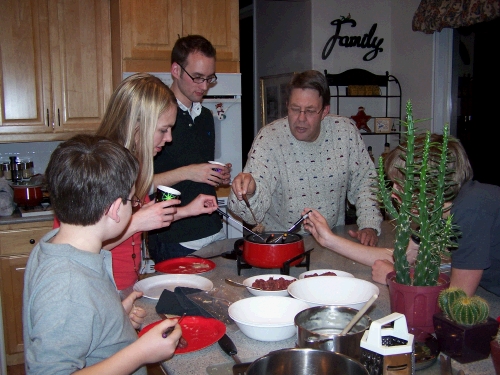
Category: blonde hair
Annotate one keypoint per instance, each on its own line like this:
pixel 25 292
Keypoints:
pixel 458 162
pixel 132 113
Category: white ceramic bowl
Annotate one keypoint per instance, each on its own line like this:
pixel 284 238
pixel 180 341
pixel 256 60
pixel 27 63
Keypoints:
pixel 333 291
pixel 248 282
pixel 319 272
pixel 267 318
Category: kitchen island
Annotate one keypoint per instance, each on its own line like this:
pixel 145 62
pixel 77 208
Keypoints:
pixel 212 360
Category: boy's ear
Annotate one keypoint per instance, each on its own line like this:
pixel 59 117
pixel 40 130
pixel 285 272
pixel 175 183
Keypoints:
pixel 113 211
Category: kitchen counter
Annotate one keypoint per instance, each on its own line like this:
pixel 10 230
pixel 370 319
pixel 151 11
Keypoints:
pixel 213 360
pixel 16 218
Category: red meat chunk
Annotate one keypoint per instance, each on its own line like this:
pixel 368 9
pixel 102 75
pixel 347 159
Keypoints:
pixel 272 283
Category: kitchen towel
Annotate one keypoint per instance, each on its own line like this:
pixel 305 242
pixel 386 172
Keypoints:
pixel 195 302
pixel 177 303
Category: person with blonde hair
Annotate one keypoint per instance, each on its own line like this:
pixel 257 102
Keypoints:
pixel 476 213
pixel 140 116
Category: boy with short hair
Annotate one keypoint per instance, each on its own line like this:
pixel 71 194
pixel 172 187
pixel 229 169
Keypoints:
pixel 73 319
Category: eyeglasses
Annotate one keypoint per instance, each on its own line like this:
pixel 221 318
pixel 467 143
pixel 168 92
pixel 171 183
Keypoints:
pixel 308 112
pixel 136 202
pixel 210 79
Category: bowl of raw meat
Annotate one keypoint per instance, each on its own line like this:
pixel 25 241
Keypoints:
pixel 324 272
pixel 270 285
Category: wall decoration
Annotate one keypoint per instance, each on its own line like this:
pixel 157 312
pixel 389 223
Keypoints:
pixel 383 125
pixel 368 40
pixel 273 97
pixel 361 119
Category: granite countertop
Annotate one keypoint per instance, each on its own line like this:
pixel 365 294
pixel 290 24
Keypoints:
pixel 213 360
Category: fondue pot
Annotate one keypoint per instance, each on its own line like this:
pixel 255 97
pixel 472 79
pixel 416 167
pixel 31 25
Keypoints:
pixel 27 195
pixel 258 253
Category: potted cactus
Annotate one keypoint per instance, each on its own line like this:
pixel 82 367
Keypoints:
pixel 463 328
pixel 495 352
pixel 420 194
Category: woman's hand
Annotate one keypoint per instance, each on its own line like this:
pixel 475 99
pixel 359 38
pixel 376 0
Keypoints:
pixel 317 225
pixel 202 204
pixel 154 215
pixel 380 269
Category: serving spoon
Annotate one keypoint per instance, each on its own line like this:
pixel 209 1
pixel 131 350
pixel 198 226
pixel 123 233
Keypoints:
pixel 235 283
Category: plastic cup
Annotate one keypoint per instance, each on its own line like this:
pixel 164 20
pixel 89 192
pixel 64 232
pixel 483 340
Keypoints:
pixel 165 193
pixel 217 163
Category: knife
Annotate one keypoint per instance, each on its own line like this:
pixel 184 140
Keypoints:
pixel 229 348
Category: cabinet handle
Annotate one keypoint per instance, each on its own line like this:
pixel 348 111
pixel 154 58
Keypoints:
pixel 20 269
pixel 58 118
pixel 48 121
pixel 32 241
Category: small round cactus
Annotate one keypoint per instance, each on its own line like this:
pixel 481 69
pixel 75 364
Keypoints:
pixel 447 298
pixel 469 311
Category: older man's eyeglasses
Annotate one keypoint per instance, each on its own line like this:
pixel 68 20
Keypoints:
pixel 135 201
pixel 309 113
pixel 211 79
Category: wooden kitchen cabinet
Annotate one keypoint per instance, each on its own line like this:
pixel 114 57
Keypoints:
pixel 16 242
pixel 56 76
pixel 144 33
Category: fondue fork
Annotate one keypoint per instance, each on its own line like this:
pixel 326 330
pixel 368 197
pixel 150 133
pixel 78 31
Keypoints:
pixel 297 223
pixel 250 208
pixel 236 221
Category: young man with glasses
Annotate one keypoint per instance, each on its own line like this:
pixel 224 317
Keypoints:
pixel 308 159
pixel 183 163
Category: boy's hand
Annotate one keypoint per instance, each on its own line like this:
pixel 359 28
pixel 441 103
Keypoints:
pixel 154 347
pixel 135 314
pixel 155 215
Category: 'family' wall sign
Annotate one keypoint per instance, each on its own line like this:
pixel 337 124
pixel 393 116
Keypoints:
pixel 365 41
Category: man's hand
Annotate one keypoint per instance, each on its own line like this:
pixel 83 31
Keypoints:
pixel 243 183
pixel 366 236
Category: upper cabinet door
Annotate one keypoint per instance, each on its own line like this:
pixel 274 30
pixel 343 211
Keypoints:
pixel 144 34
pixel 81 46
pixel 55 68
pixel 26 92
pixel 218 21
pixel 149 30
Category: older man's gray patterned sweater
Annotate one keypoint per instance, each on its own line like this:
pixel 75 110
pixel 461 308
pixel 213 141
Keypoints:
pixel 292 175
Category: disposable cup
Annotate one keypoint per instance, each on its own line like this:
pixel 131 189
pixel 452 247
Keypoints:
pixel 165 193
pixel 217 163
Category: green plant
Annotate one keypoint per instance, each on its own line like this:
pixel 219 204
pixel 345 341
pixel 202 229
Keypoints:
pixel 420 197
pixel 447 297
pixel 464 310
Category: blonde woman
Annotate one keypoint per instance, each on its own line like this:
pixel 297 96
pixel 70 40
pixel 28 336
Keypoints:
pixel 140 116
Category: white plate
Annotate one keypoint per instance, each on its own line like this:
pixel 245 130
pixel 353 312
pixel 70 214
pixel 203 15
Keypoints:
pixel 251 280
pixel 319 272
pixel 152 287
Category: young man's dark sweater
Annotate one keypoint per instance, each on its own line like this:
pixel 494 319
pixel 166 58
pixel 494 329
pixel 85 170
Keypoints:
pixel 193 142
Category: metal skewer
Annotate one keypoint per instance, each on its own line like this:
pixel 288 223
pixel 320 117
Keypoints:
pixel 236 221
pixel 305 216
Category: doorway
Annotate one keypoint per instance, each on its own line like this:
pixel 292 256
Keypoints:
pixel 479 96
pixel 247 80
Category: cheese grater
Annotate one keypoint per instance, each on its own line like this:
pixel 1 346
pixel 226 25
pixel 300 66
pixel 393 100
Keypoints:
pixel 388 351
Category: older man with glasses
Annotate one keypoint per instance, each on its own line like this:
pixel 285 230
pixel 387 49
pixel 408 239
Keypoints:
pixel 183 163
pixel 308 159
